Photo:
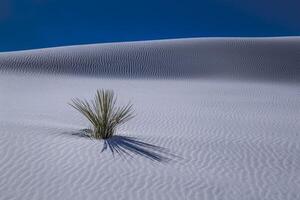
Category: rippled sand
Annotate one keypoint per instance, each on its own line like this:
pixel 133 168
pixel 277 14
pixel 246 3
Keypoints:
pixel 216 119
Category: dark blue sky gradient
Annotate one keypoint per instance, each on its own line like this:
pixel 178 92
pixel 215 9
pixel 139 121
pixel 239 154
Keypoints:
pixel 46 23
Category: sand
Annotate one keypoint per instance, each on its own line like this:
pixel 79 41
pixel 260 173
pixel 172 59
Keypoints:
pixel 216 118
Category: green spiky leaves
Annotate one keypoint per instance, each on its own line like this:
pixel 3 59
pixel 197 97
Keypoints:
pixel 103 113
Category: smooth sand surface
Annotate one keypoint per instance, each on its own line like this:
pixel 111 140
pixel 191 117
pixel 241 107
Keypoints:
pixel 216 119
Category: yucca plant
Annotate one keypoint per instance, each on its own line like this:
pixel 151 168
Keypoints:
pixel 103 113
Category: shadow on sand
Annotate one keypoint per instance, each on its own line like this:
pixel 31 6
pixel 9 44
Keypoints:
pixel 126 146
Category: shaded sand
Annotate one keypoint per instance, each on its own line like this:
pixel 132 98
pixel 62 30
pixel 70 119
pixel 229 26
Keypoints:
pixel 238 58
pixel 231 135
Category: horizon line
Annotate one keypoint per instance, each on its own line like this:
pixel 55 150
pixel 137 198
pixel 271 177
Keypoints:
pixel 156 40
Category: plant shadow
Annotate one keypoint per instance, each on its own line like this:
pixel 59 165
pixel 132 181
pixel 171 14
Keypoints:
pixel 126 146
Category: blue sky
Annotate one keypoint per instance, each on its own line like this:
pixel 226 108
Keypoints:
pixel 46 23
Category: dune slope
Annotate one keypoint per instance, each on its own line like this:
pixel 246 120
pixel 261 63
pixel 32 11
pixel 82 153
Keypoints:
pixel 254 58
pixel 210 122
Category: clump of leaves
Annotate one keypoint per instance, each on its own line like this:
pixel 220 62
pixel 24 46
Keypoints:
pixel 103 113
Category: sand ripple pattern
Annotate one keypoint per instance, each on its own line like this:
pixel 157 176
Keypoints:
pixel 260 58
pixel 234 140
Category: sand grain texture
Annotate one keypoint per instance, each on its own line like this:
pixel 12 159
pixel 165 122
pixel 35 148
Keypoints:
pixel 222 113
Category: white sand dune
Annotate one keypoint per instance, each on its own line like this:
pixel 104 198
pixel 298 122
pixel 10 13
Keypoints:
pixel 260 58
pixel 216 119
